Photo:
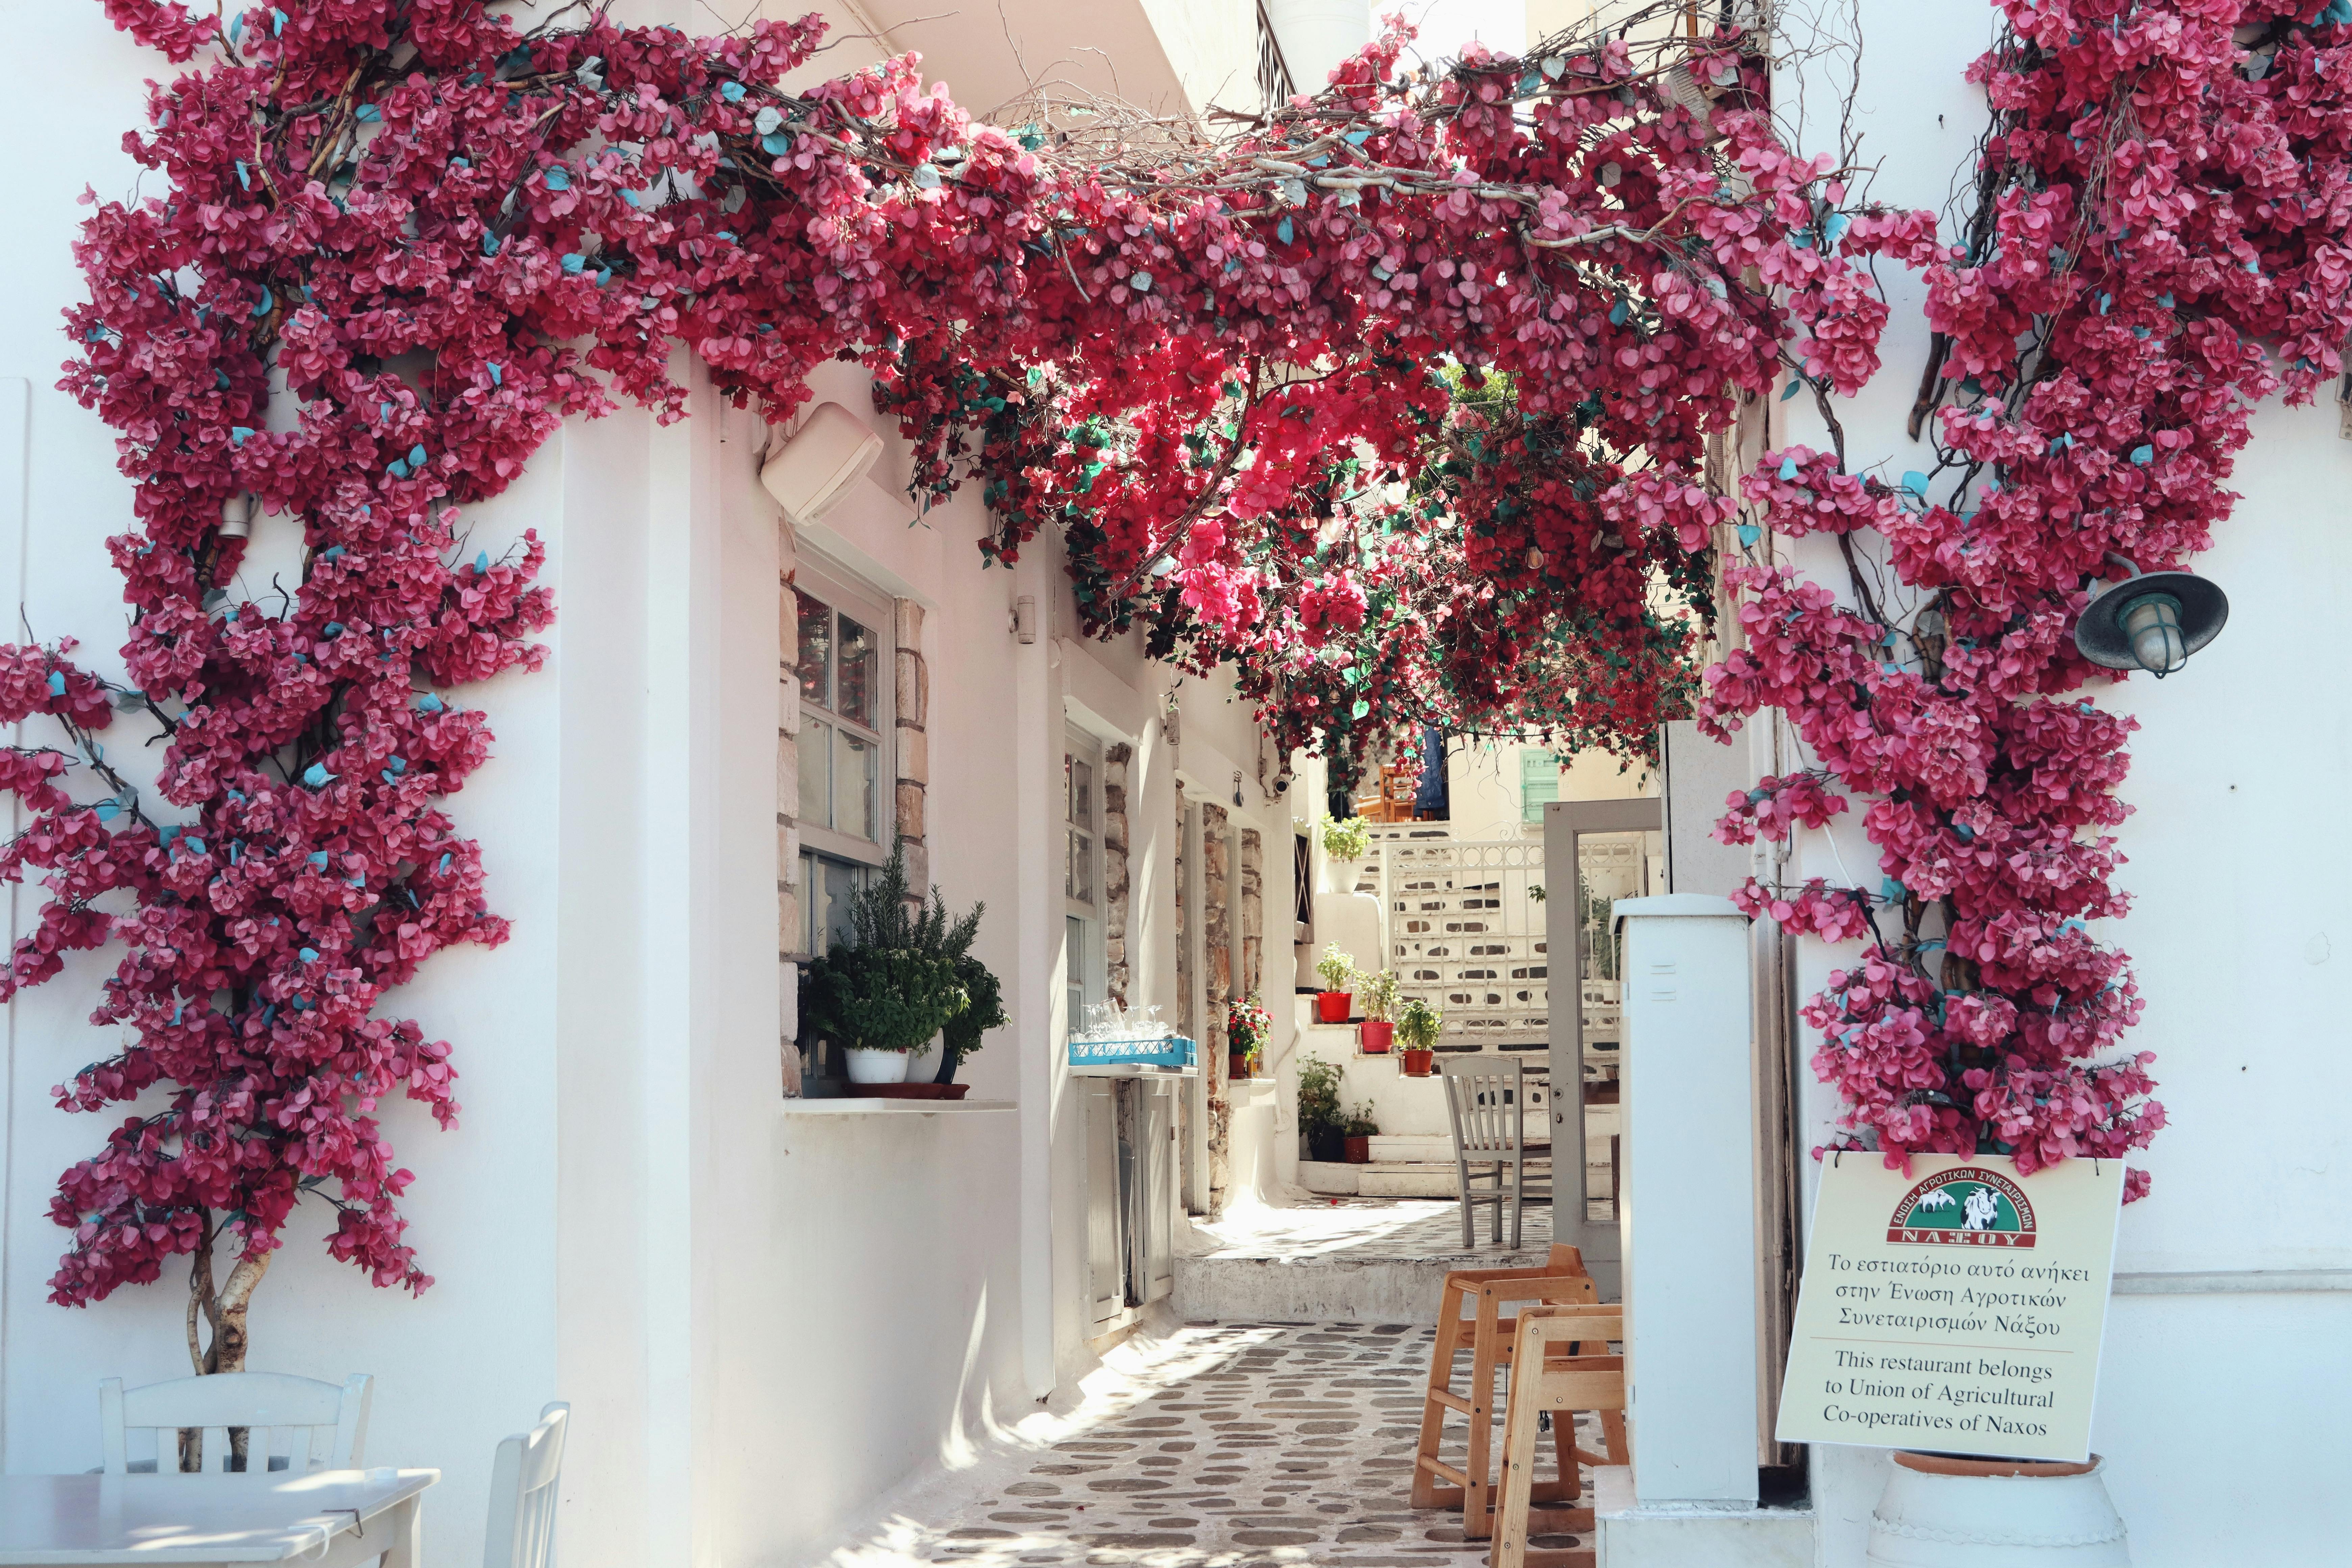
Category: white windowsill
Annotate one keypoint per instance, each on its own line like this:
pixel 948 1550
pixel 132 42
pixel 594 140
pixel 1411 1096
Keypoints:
pixel 847 1107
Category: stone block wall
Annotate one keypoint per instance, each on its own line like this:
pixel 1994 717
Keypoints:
pixel 1217 963
pixel 914 750
pixel 788 799
pixel 1115 872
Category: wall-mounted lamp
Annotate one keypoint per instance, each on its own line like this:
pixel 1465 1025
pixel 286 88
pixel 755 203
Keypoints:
pixel 237 515
pixel 1237 786
pixel 2151 620
pixel 831 451
pixel 1025 618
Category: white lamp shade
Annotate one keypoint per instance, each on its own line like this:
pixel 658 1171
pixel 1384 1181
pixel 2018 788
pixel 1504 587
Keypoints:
pixel 831 451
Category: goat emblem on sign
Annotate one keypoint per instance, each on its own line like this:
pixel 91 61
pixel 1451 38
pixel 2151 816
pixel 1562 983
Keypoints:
pixel 1965 1206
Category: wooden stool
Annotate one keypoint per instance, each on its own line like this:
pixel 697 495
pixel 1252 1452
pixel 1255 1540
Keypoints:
pixel 1553 1373
pixel 1560 1280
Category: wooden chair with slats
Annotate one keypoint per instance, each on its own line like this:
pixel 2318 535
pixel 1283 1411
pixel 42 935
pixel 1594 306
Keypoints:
pixel 292 1424
pixel 523 1494
pixel 1558 1368
pixel 1487 1337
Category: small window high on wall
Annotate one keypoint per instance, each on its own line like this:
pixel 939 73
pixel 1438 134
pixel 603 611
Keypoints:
pixel 846 808
pixel 1538 781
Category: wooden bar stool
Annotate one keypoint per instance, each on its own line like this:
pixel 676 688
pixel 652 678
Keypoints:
pixel 1556 1372
pixel 1561 1280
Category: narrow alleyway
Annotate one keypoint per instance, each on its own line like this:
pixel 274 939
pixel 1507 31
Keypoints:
pixel 1218 1444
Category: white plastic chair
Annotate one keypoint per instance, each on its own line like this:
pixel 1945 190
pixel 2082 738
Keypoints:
pixel 1486 1097
pixel 288 1421
pixel 523 1495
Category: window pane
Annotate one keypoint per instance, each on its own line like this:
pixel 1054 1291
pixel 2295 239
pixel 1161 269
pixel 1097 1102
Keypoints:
pixel 828 884
pixel 815 666
pixel 854 699
pixel 852 785
pixel 1082 794
pixel 1074 972
pixel 816 772
pixel 1082 868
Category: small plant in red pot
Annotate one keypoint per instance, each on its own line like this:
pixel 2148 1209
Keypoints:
pixel 1416 1029
pixel 1376 993
pixel 1248 1026
pixel 1335 1002
pixel 1360 1132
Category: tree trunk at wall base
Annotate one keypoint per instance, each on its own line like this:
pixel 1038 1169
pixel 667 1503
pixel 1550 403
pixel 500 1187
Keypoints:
pixel 223 1312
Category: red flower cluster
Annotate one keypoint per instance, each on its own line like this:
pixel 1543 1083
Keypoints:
pixel 399 245
pixel 2163 238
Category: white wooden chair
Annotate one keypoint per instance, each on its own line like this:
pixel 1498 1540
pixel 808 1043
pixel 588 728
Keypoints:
pixel 1486 1097
pixel 523 1494
pixel 293 1424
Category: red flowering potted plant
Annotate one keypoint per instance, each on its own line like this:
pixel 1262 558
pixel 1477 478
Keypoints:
pixel 1335 1002
pixel 1248 1025
pixel 1416 1029
pixel 1376 991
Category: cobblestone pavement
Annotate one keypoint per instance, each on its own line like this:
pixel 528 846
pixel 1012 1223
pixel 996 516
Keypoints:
pixel 1237 1444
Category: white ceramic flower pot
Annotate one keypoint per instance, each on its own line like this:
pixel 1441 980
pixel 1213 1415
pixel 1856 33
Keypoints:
pixel 1338 876
pixel 876 1066
pixel 1941 1512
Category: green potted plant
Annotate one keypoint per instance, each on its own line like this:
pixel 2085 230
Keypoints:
pixel 880 1005
pixel 903 974
pixel 1359 1132
pixel 1319 1110
pixel 1416 1030
pixel 1345 841
pixel 1247 1025
pixel 1376 994
pixel 1334 1003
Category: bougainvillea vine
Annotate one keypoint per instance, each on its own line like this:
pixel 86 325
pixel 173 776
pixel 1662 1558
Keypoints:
pixel 1399 399
pixel 2161 238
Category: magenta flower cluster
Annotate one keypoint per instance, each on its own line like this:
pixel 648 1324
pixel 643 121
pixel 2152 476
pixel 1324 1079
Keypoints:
pixel 2163 238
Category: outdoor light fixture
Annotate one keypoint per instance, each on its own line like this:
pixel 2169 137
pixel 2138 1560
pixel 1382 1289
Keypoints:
pixel 1237 786
pixel 2151 620
pixel 814 468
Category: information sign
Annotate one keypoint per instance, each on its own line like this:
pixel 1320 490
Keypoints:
pixel 1957 1308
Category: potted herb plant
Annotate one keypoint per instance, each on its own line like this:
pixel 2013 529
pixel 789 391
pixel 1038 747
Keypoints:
pixel 1376 994
pixel 1319 1110
pixel 1416 1030
pixel 1360 1131
pixel 1345 841
pixel 902 975
pixel 1247 1025
pixel 1335 1002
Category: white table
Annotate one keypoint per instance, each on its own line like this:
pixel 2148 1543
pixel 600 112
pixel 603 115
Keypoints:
pixel 327 1518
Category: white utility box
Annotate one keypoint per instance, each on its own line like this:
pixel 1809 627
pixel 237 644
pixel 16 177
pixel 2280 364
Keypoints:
pixel 1687 1210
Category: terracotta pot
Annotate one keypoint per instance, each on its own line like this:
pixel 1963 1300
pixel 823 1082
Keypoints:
pixel 1946 1511
pixel 1360 1151
pixel 1418 1062
pixel 1237 1066
pixel 1375 1035
pixel 1333 1007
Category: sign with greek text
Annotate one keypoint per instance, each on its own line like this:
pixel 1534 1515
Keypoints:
pixel 1957 1308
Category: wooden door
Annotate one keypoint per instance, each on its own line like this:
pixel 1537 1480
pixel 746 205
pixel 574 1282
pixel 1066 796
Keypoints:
pixel 1154 1220
pixel 1105 1240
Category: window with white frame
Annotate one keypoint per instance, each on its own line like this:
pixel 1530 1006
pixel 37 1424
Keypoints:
pixel 1082 874
pixel 846 808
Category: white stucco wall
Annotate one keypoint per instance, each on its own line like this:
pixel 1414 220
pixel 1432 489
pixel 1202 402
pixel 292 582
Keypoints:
pixel 764 1315
pixel 2216 1410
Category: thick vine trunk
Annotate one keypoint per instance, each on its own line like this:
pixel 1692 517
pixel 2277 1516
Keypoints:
pixel 222 1311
